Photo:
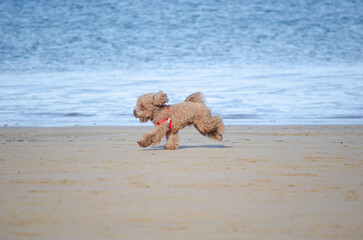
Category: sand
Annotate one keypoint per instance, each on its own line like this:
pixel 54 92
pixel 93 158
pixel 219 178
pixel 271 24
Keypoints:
pixel 261 182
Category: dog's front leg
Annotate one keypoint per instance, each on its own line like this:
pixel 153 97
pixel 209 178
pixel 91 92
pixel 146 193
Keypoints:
pixel 153 138
pixel 172 143
pixel 145 141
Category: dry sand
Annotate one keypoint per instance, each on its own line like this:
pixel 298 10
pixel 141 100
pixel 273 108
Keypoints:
pixel 261 182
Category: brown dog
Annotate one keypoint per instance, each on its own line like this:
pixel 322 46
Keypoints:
pixel 168 120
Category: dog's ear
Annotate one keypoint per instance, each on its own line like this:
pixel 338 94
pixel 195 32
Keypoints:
pixel 160 98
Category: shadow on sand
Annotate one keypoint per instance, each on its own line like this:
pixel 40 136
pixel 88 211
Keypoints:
pixel 186 147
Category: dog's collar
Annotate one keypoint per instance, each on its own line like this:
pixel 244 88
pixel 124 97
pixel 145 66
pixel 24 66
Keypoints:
pixel 166 119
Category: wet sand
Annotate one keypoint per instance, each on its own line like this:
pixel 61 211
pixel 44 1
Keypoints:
pixel 261 182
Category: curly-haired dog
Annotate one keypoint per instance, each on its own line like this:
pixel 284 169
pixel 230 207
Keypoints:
pixel 168 120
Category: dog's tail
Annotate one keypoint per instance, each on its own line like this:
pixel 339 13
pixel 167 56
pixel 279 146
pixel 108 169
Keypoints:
pixel 195 97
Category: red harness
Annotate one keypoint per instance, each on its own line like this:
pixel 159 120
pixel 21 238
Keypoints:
pixel 166 119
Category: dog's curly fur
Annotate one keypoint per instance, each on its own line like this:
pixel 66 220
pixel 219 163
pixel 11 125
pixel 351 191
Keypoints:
pixel 192 111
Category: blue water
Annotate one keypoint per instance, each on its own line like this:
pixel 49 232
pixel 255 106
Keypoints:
pixel 258 62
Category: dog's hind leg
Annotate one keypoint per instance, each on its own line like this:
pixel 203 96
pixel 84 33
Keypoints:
pixel 210 126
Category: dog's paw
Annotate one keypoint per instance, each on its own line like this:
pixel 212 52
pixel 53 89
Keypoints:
pixel 166 147
pixel 142 144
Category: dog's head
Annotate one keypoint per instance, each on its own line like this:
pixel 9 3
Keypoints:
pixel 147 104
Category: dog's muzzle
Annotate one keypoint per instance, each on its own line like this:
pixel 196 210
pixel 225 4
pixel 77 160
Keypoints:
pixel 135 114
pixel 142 119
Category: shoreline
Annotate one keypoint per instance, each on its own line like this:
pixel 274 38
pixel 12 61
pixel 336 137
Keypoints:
pixel 143 125
pixel 132 122
pixel 260 182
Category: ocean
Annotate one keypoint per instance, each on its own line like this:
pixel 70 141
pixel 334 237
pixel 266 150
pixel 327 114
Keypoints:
pixel 66 63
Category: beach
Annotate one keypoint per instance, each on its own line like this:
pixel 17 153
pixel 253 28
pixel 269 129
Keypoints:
pixel 260 182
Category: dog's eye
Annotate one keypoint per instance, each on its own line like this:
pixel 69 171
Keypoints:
pixel 142 107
